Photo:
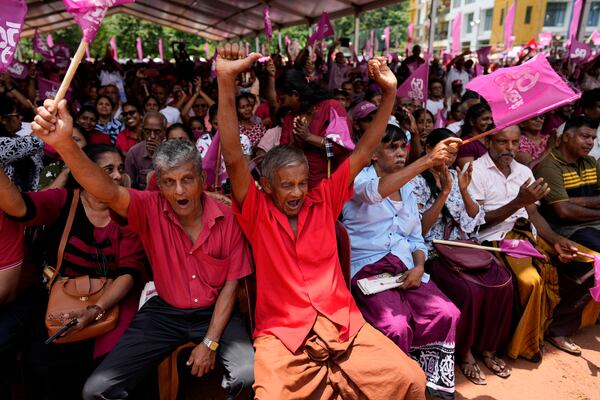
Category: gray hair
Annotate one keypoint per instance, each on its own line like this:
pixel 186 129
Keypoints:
pixel 173 153
pixel 158 115
pixel 280 157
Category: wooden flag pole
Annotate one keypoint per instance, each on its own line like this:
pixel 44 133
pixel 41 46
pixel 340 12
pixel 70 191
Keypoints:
pixel 467 245
pixel 480 136
pixel 75 61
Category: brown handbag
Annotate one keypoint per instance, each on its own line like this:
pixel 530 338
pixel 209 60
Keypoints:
pixel 71 294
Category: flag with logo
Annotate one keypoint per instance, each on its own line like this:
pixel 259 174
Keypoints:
pixel 47 89
pixel 415 87
pixel 545 39
pixel 39 46
pixel 89 14
pixel 18 70
pixel 12 17
pixel 579 52
pixel 518 93
pixel 323 30
pixel 483 55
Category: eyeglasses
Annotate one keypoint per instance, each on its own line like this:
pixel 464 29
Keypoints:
pixel 128 113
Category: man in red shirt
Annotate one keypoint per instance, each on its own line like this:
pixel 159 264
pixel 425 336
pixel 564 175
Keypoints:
pixel 197 253
pixel 310 338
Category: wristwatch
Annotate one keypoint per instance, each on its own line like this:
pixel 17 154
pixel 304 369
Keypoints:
pixel 211 344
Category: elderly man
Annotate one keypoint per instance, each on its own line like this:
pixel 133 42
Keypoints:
pixel 573 209
pixel 197 253
pixel 138 162
pixel 311 341
pixel 509 194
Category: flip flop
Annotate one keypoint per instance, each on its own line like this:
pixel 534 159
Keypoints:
pixel 568 346
pixel 497 366
pixel 477 380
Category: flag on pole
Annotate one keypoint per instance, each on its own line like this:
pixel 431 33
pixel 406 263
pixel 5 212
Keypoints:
pixel 12 17
pixel 415 87
pixel 323 30
pixel 267 21
pixel 62 54
pixel 575 16
pixel 138 45
pixel 18 70
pixel 545 39
pixel 579 52
pixel 595 38
pixel 50 40
pixel 40 47
pixel 113 47
pixel 509 23
pixel 210 160
pixel 386 32
pixel 206 51
pixel 47 89
pixel 483 55
pixel 518 93
pixel 520 249
pixel 456 30
pixel 160 50
pixel 440 119
pixel 89 14
pixel 409 31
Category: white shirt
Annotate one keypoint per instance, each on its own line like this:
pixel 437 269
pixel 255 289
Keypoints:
pixel 172 115
pixel 456 126
pixel 490 187
pixel 434 106
pixel 456 75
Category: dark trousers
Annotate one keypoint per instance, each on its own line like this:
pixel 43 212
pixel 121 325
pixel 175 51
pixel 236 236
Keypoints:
pixel 574 281
pixel 156 331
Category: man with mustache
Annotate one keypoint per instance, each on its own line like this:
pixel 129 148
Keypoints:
pixel 510 195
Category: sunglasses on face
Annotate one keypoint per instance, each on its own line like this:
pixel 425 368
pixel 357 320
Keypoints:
pixel 128 113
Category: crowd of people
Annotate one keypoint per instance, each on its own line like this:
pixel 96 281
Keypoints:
pixel 177 183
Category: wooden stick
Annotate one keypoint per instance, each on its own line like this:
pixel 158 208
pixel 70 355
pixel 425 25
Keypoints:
pixel 468 245
pixel 477 137
pixel 579 253
pixel 64 86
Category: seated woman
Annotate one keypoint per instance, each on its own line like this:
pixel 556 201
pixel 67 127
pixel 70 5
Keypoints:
pixel 106 123
pixel 448 212
pixel 533 144
pixel 97 247
pixel 385 231
pixel 478 119
pixel 316 123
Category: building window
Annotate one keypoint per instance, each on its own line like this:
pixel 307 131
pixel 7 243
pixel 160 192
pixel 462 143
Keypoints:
pixel 594 15
pixel 528 12
pixel 456 3
pixel 488 16
pixel 555 14
pixel 502 17
pixel 469 1
pixel 468 20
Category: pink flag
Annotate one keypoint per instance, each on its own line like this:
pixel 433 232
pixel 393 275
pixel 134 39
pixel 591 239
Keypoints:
pixel 160 50
pixel 113 47
pixel 516 94
pixel 18 70
pixel 579 52
pixel 287 41
pixel 262 48
pixel 575 16
pixel 40 47
pixel 267 21
pixel 595 291
pixel 483 55
pixel 247 47
pixel 47 89
pixel 11 22
pixel 520 249
pixel 209 162
pixel 595 38
pixel 440 120
pixel 338 130
pixel 138 45
pixel 479 70
pixel 456 30
pixel 62 54
pixel 206 51
pixel 415 87
pixel 409 31
pixel 50 40
pixel 323 30
pixel 386 32
pixel 545 39
pixel 89 14
pixel 509 23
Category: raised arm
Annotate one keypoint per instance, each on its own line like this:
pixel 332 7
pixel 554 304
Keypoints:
pixel 11 201
pixel 232 60
pixel 57 132
pixel 379 71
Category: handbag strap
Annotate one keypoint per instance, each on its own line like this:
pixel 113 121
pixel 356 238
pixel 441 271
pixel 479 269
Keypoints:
pixel 65 236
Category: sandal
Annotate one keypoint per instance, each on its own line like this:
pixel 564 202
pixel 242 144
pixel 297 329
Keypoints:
pixel 472 372
pixel 497 366
pixel 566 345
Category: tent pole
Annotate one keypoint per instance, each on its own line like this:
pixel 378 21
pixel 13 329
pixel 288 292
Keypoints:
pixel 356 31
pixel 257 44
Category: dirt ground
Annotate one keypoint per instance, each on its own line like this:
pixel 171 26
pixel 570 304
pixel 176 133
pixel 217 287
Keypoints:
pixel 560 376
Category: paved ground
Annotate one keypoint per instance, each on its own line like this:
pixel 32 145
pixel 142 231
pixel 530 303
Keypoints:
pixel 559 376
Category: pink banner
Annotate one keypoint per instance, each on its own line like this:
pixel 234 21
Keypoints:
pixel 206 51
pixel 11 23
pixel 262 48
pixel 575 17
pixel 50 40
pixel 161 54
pixel 337 131
pixel 62 54
pixel 267 21
pixel 113 47
pixel 415 87
pixel 516 94
pixel 440 120
pixel 456 30
pixel 410 30
pixel 483 55
pixel 509 23
pixel 479 70
pixel 18 70
pixel 323 30
pixel 386 33
pixel 40 47
pixel 139 48
pixel 520 249
pixel 89 14
pixel 209 162
pixel 595 38
pixel 47 89
pixel 579 52
pixel 545 39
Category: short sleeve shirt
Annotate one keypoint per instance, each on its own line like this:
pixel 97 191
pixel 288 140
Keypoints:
pixel 299 275
pixel 11 245
pixel 189 274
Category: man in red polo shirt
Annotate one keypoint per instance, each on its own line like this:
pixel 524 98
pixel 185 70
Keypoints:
pixel 311 341
pixel 197 253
